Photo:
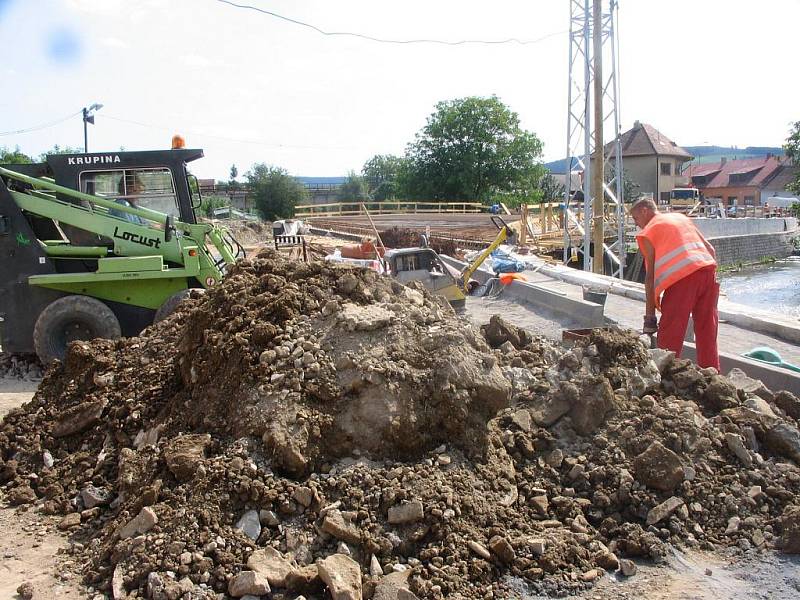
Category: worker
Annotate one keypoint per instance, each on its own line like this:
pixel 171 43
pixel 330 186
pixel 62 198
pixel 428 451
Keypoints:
pixel 681 264
pixel 136 188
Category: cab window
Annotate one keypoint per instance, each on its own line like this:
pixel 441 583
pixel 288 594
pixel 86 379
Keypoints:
pixel 144 188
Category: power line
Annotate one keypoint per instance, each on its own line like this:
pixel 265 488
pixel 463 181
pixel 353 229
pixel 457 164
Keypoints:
pixel 42 126
pixel 390 41
pixel 221 137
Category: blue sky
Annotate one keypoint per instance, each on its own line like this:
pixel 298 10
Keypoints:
pixel 250 88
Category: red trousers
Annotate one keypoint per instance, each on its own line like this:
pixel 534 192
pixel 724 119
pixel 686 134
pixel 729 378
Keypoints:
pixel 695 294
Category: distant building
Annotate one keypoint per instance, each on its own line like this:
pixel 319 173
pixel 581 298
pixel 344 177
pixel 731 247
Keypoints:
pixel 744 182
pixel 651 160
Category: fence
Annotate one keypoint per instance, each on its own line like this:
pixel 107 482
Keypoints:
pixel 342 209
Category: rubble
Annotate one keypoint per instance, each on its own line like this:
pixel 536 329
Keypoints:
pixel 303 427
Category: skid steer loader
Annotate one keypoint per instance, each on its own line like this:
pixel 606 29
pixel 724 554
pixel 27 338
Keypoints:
pixel 100 245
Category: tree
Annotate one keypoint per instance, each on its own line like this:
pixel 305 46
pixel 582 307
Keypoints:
pixel 233 184
pixel 472 149
pixel 354 188
pixel 381 173
pixel 274 191
pixel 15 156
pixel 552 189
pixel 56 149
pixel 792 148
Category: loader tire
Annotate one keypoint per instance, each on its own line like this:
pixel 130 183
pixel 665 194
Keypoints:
pixel 171 303
pixel 72 318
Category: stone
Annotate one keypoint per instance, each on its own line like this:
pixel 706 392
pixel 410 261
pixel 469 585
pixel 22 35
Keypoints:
pixel 627 567
pixel 69 521
pixel 335 524
pixel 658 468
pixel 607 560
pixel 788 403
pixel 760 406
pixel 304 496
pixel 548 410
pixel 78 418
pixel 748 385
pixel 479 550
pixel 25 591
pixel 141 523
pixel 249 524
pixel 268 518
pixel 342 575
pixel 789 540
pixel 47 459
pixel 409 512
pixel 271 564
pixel 22 494
pixel 590 575
pixel 736 445
pixel 248 583
pixel 502 549
pixel 375 569
pixel 185 453
pixel 93 496
pixel 522 419
pixel 393 586
pixel 540 503
pixel 155 585
pixel 662 511
pixel 594 403
pixel 555 458
pixel 784 439
pixel 720 393
pixel 537 546
pixel 118 591
pixel 733 525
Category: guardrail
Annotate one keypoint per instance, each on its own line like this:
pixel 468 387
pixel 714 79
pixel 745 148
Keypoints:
pixel 342 209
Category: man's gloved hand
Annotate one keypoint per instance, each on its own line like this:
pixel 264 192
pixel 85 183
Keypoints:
pixel 650 324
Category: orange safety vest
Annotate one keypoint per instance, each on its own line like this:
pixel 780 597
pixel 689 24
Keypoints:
pixel 680 249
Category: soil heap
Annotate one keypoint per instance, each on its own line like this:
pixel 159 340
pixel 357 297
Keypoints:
pixel 304 427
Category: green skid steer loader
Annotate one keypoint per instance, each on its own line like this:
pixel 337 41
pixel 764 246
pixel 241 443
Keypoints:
pixel 100 245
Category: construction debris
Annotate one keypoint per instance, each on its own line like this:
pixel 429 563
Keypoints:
pixel 303 427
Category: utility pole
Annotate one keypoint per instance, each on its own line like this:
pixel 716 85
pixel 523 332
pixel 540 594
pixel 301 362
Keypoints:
pixel 598 194
pixel 88 117
pixel 592 33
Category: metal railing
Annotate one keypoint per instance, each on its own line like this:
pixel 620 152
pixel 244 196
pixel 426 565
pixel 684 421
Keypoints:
pixel 331 209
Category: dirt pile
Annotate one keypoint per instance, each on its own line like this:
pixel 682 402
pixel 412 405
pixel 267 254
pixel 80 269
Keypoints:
pixel 312 426
pixel 397 237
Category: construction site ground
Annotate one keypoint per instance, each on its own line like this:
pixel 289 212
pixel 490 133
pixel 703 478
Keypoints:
pixel 391 349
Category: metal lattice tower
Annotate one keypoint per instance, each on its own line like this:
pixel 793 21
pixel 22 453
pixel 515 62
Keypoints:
pixel 581 124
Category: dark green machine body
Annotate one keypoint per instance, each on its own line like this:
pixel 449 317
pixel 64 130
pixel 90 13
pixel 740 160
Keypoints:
pixel 118 228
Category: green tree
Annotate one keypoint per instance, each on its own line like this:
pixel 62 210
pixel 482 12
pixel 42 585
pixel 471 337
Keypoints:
pixel 15 156
pixel 473 149
pixel 792 149
pixel 56 149
pixel 354 188
pixel 232 183
pixel 381 173
pixel 552 189
pixel 274 191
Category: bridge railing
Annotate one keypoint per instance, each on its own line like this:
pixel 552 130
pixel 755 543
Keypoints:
pixel 336 209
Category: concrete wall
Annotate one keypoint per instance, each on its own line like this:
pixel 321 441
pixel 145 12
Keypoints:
pixel 714 228
pixel 732 250
pixel 642 171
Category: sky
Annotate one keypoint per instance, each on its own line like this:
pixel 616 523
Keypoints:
pixel 249 87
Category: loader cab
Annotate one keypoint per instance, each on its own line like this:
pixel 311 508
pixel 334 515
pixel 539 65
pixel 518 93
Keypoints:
pixel 425 265
pixel 154 179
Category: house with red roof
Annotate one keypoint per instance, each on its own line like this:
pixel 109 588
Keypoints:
pixel 743 182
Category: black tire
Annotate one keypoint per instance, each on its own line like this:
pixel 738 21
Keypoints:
pixel 171 303
pixel 72 318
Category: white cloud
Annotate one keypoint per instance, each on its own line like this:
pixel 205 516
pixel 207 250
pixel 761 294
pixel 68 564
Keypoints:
pixel 99 7
pixel 112 42
pixel 199 61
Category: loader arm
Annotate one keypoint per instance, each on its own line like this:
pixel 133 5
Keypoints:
pixel 504 233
